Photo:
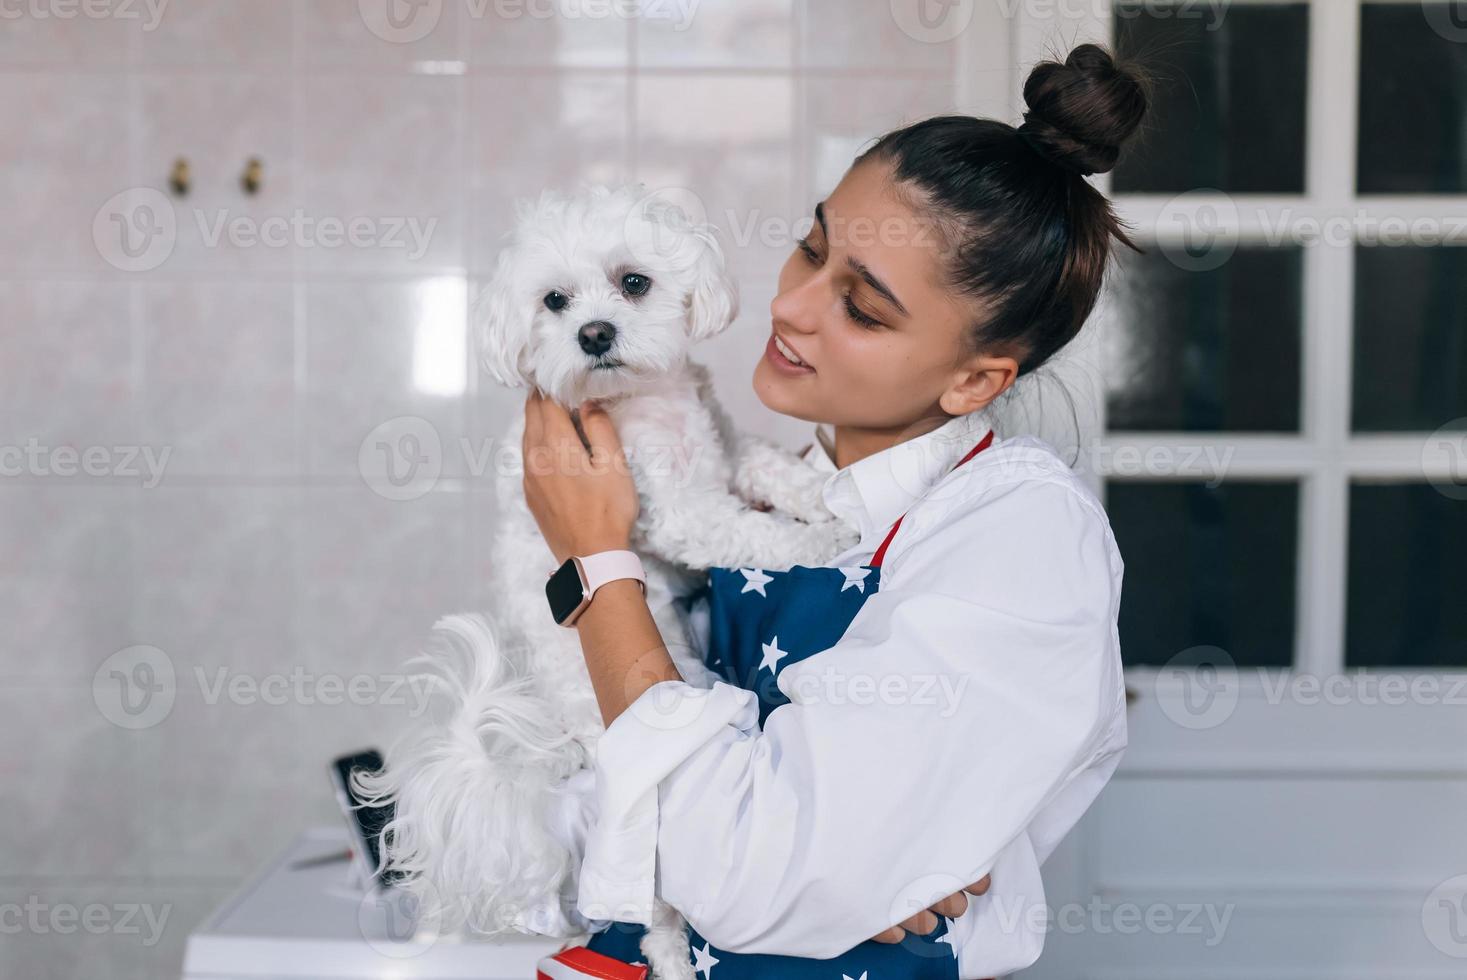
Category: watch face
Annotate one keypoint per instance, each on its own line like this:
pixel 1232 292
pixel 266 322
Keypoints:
pixel 564 590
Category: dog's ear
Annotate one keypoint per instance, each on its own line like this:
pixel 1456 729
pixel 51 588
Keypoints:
pixel 713 301
pixel 502 321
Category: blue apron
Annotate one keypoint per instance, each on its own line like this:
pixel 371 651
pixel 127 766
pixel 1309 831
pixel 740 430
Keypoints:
pixel 760 622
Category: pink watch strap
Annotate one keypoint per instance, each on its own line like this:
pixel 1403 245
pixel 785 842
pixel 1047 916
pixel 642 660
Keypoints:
pixel 608 566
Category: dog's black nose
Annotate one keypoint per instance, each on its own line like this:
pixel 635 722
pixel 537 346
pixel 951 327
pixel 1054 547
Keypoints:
pixel 596 337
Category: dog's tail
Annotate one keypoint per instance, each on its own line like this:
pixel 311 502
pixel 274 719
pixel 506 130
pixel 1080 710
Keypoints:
pixel 472 787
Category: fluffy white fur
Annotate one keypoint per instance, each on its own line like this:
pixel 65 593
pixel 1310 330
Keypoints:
pixel 474 787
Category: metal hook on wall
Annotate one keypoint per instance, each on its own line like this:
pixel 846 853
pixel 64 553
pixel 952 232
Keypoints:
pixel 178 178
pixel 253 176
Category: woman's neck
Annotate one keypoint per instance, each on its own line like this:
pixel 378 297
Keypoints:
pixel 854 443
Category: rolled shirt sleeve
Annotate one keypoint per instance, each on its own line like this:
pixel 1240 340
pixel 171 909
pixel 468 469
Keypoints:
pixel 976 684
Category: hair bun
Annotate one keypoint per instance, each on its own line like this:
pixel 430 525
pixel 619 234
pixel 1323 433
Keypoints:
pixel 1080 112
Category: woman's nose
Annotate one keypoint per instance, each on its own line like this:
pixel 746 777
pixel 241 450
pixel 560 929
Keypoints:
pixel 797 307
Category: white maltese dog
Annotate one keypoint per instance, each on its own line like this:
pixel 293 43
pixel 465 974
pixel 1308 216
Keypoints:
pixel 599 295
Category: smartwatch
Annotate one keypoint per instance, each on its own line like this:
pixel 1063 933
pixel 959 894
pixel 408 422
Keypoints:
pixel 571 587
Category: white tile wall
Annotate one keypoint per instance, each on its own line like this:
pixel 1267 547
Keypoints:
pixel 260 365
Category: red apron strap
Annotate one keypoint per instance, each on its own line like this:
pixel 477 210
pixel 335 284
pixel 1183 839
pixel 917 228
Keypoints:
pixel 881 551
pixel 581 963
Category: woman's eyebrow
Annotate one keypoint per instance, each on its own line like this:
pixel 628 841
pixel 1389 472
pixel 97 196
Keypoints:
pixel 860 268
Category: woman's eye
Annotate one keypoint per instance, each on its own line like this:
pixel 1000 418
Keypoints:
pixel 804 245
pixel 555 301
pixel 635 284
pixel 855 314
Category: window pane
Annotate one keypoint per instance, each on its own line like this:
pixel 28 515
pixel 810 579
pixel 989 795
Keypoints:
pixel 1206 351
pixel 1410 337
pixel 1413 98
pixel 1228 106
pixel 1206 567
pixel 1408 579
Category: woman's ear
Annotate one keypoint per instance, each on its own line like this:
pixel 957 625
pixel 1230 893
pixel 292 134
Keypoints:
pixel 713 300
pixel 502 321
pixel 981 381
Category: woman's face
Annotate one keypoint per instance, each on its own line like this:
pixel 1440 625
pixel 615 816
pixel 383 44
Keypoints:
pixel 860 304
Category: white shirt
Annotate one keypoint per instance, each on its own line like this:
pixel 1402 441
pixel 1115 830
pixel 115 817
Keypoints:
pixel 994 716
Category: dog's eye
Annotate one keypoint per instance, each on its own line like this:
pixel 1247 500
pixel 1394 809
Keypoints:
pixel 635 283
pixel 555 301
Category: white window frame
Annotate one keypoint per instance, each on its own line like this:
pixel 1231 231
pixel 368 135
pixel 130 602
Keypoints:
pixel 1325 457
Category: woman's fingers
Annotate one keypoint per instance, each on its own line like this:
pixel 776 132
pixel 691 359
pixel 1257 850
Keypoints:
pixel 600 431
pixel 952 906
pixel 922 923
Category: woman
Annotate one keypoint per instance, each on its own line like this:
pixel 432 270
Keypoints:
pixel 936 708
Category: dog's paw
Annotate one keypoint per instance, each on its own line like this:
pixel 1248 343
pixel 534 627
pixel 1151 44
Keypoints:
pixel 769 477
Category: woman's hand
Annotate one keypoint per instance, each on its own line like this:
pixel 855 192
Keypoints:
pixel 925 921
pixel 583 500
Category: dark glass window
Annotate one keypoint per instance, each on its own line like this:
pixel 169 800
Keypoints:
pixel 1206 351
pixel 1206 566
pixel 1410 362
pixel 1413 98
pixel 1229 104
pixel 1408 577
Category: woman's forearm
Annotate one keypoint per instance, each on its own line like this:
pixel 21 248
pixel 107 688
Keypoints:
pixel 624 651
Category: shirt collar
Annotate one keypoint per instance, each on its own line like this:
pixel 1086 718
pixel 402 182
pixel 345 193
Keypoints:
pixel 874 491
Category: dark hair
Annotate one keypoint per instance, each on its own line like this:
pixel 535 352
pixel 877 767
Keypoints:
pixel 1023 232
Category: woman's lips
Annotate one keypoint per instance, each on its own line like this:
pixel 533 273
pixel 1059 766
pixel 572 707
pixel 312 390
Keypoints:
pixel 783 364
